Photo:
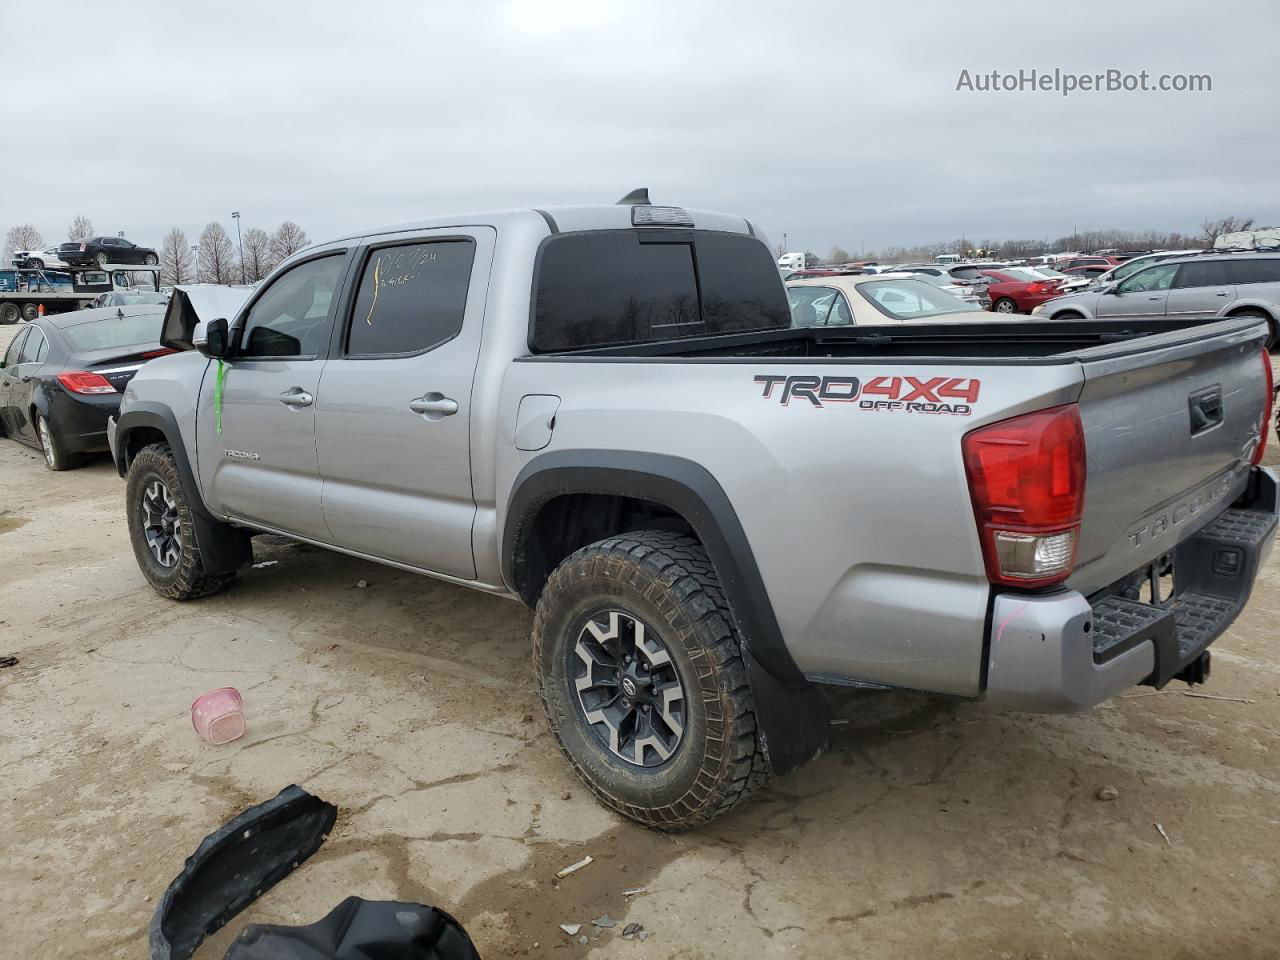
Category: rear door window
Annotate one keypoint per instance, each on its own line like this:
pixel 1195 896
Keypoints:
pixel 622 287
pixel 15 348
pixel 411 298
pixel 34 347
pixel 1202 273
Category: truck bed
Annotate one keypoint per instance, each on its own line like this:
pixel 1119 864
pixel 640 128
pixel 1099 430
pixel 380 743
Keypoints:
pixel 1013 341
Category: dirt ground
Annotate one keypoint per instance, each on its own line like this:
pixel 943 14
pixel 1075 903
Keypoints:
pixel 933 828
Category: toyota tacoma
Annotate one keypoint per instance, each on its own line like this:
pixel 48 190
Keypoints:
pixel 605 413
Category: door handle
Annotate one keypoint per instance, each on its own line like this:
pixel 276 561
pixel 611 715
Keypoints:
pixel 1155 298
pixel 433 406
pixel 297 397
pixel 1223 293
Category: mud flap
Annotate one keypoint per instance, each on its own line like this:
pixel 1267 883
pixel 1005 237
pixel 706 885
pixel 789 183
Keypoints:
pixel 792 720
pixel 234 865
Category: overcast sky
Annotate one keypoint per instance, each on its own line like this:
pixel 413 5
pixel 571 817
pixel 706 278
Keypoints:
pixel 834 122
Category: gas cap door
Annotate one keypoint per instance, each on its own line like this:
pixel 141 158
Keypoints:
pixel 535 420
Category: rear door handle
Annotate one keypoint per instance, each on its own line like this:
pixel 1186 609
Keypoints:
pixel 434 406
pixel 297 397
pixel 1223 293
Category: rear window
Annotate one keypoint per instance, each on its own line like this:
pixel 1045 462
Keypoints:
pixel 625 287
pixel 1255 271
pixel 126 331
pixel 1202 273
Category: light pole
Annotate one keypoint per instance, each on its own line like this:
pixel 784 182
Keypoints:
pixel 195 252
pixel 235 215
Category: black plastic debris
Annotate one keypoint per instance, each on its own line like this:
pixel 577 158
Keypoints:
pixel 359 929
pixel 8 662
pixel 234 865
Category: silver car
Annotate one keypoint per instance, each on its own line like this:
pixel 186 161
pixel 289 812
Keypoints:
pixel 1185 288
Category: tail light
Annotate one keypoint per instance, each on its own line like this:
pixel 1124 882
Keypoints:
pixel 1026 477
pixel 1040 287
pixel 83 382
pixel 1265 426
pixel 83 247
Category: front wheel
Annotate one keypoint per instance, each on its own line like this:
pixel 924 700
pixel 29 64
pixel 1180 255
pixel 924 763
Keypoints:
pixel 1005 305
pixel 641 675
pixel 162 530
pixel 151 260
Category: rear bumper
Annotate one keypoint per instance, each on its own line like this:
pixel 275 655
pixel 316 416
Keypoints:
pixel 1061 653
pixel 81 422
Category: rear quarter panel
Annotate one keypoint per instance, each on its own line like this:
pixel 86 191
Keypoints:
pixel 860 520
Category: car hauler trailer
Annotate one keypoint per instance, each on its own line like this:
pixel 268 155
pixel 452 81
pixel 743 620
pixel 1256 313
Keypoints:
pixel 27 292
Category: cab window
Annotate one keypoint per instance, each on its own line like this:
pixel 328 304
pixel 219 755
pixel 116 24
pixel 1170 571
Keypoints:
pixel 292 317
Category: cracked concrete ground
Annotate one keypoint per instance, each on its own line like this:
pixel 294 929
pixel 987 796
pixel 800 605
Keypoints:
pixel 934 828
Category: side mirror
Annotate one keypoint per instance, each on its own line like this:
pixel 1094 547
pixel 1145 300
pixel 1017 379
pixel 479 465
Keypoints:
pixel 1108 287
pixel 212 339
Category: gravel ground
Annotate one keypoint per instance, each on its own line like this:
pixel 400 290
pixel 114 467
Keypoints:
pixel 933 828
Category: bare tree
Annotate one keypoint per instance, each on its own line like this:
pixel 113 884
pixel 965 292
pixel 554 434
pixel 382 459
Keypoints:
pixel 81 228
pixel 837 254
pixel 257 254
pixel 1213 229
pixel 217 255
pixel 288 239
pixel 176 264
pixel 22 237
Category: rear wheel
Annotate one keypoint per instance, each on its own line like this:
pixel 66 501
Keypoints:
pixel 151 260
pixel 102 259
pixel 9 313
pixel 55 457
pixel 162 531
pixel 643 682
pixel 1004 305
pixel 34 264
pixel 30 311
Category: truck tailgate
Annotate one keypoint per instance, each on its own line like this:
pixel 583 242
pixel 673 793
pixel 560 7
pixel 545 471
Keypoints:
pixel 1171 423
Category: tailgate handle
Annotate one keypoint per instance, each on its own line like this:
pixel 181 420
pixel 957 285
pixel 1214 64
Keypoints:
pixel 1206 409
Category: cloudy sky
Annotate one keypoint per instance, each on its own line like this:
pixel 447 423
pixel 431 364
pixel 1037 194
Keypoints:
pixel 834 122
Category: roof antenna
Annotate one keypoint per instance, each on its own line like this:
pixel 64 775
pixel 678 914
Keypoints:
pixel 637 197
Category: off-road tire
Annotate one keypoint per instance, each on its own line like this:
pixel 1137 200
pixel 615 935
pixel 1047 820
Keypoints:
pixel 667 581
pixel 187 579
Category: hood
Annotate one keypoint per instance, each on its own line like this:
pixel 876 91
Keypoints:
pixel 191 304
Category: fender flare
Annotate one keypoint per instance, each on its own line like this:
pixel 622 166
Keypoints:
pixel 791 715
pixel 223 549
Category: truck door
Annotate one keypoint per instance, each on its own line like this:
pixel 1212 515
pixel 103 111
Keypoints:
pixel 261 467
pixel 1143 294
pixel 393 413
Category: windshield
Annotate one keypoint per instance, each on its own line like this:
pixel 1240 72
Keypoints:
pixel 139 328
pixel 911 299
pixel 1130 267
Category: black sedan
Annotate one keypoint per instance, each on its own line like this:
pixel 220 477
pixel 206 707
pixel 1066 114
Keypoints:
pixel 63 375
pixel 104 250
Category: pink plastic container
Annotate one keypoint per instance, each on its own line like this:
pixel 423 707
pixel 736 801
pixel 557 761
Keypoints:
pixel 218 715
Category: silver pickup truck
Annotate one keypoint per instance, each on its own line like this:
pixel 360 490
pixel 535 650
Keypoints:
pixel 605 413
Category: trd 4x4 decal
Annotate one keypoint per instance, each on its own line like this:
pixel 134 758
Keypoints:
pixel 905 394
